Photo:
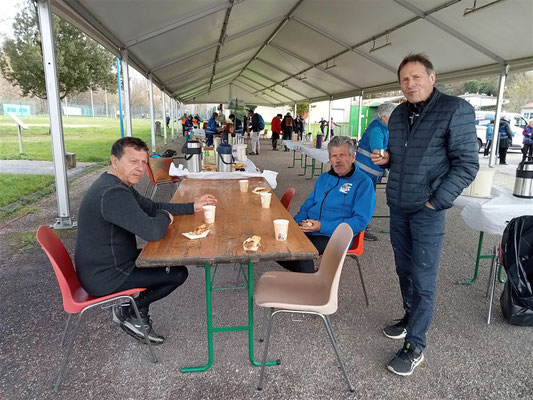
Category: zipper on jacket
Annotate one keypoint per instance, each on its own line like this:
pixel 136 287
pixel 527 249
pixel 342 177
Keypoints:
pixel 325 195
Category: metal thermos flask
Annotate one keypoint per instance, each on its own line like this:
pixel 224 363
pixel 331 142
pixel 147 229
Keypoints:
pixel 523 184
pixel 225 158
pixel 193 155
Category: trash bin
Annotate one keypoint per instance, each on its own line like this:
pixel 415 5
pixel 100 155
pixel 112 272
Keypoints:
pixel 158 128
pixel 319 139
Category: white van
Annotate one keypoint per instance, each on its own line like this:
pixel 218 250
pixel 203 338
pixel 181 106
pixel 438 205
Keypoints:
pixel 518 123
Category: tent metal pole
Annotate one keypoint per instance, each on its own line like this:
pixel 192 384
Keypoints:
pixel 151 99
pixel 164 113
pixel 126 76
pixel 360 110
pixel 120 99
pixel 64 219
pixel 309 118
pixel 329 120
pixel 172 116
pixel 499 102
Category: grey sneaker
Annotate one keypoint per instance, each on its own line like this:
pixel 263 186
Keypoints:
pixel 120 312
pixel 406 360
pixel 397 330
pixel 370 236
pixel 133 328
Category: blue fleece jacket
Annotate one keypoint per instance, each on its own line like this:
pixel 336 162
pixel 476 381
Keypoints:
pixel 335 199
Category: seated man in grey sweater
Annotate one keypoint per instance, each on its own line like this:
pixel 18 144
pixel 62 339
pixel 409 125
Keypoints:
pixel 111 214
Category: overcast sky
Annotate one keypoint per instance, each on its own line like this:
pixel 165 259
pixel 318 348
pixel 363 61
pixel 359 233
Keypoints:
pixel 8 11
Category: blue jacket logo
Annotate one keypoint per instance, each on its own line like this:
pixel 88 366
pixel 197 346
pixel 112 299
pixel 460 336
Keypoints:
pixel 345 188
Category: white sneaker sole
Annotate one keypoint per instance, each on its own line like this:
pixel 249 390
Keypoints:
pixel 401 336
pixel 416 364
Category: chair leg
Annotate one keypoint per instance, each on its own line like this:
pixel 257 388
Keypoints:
pixel 64 334
pixel 492 281
pixel 327 322
pixel 362 280
pixel 67 353
pixel 264 325
pixel 143 328
pixel 265 350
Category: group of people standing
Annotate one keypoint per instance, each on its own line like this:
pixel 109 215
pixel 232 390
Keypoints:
pixel 285 128
pixel 505 134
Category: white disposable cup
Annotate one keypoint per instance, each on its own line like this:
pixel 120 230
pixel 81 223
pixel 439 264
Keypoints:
pixel 281 228
pixel 209 214
pixel 243 185
pixel 265 200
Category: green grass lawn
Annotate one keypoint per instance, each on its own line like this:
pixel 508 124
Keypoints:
pixel 89 138
pixel 14 187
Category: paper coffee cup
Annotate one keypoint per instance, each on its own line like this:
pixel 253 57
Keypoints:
pixel 265 200
pixel 281 228
pixel 243 185
pixel 209 214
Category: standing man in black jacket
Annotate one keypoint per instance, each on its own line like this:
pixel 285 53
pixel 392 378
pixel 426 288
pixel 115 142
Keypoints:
pixel 111 214
pixel 432 157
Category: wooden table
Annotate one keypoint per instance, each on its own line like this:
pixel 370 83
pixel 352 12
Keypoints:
pixel 238 216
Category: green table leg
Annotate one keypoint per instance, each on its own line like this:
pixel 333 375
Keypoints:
pixel 209 312
pixel 479 257
pixel 251 321
pixel 304 166
pixel 294 159
pixel 211 329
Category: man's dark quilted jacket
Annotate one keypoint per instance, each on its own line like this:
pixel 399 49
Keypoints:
pixel 436 158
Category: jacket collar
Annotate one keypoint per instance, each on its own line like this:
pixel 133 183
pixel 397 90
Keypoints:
pixel 333 173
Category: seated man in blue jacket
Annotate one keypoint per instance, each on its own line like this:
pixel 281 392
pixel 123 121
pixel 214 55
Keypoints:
pixel 343 194
pixel 212 129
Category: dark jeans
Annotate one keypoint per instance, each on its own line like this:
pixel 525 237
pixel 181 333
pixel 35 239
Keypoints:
pixel 416 240
pixel 503 155
pixel 158 283
pixel 210 139
pixel 528 148
pixel 307 266
pixel 275 137
pixel 487 148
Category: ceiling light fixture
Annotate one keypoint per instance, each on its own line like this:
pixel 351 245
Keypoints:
pixel 474 7
pixel 387 43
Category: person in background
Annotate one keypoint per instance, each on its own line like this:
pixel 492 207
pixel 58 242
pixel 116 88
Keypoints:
pixel 188 125
pixel 376 137
pixel 527 150
pixel 256 127
pixel 506 138
pixel 275 126
pixel 489 133
pixel 212 129
pixel 432 156
pixel 343 194
pixel 287 125
pixel 183 120
pixel 229 129
pixel 111 215
pixel 167 121
pixel 323 124
pixel 237 124
pixel 331 132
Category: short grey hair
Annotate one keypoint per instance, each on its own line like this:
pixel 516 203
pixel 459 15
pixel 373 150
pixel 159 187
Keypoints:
pixel 338 141
pixel 385 110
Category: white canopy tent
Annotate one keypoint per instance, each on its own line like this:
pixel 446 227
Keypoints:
pixel 275 52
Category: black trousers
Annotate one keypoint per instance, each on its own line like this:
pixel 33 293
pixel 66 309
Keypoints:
pixel 158 283
pixel 307 266
pixel 275 137
pixel 503 155
pixel 487 148
pixel 528 148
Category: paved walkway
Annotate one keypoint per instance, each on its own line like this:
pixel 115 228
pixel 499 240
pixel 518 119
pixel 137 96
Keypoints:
pixel 38 167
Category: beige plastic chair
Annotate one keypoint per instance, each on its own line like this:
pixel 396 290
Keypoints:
pixel 292 292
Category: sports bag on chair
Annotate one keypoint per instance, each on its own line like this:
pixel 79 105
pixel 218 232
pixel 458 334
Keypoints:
pixel 517 250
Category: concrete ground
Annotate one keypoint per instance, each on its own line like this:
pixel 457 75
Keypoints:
pixel 465 358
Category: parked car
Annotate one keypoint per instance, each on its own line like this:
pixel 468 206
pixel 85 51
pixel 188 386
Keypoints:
pixel 517 122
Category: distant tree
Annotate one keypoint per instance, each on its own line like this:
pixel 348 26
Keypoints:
pixel 519 91
pixel 81 62
pixel 488 86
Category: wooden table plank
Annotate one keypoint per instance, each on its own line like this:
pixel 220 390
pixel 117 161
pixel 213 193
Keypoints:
pixel 238 216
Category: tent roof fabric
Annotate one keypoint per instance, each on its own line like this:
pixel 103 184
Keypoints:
pixel 285 51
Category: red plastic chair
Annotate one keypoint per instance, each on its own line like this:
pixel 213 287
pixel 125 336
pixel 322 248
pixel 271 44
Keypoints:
pixel 355 250
pixel 157 171
pixel 75 299
pixel 287 197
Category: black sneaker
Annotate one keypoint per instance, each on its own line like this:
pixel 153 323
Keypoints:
pixel 370 237
pixel 120 312
pixel 406 360
pixel 397 330
pixel 132 327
